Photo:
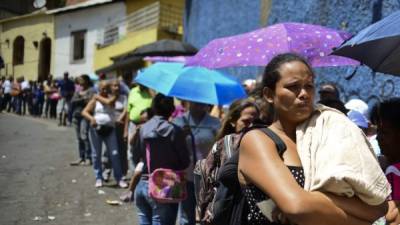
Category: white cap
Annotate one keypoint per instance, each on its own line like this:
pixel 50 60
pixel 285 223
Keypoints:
pixel 358 118
pixel 357 105
pixel 249 82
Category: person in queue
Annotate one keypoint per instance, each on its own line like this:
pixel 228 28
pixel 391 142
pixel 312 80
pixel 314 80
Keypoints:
pixel 388 137
pixel 201 129
pixel 79 100
pixel 241 114
pixel 264 173
pixel 117 100
pixel 163 141
pixel 101 117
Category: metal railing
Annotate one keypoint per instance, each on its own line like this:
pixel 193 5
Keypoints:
pixel 161 15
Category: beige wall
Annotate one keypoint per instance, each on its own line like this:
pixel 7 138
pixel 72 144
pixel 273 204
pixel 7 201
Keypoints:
pixel 30 27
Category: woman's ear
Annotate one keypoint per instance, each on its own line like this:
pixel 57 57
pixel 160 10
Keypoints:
pixel 268 95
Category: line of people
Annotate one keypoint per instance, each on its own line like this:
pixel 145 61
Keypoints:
pixel 250 148
pixel 266 166
pixel 38 98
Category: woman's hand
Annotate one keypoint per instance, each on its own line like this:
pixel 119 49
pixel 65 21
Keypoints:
pixel 392 216
pixel 93 122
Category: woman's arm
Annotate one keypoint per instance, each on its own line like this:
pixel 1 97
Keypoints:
pixel 355 207
pixel 107 101
pixel 260 164
pixel 88 110
pixel 121 119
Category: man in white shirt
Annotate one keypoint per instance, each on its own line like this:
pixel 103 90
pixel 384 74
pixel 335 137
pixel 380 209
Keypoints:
pixel 6 85
pixel 26 91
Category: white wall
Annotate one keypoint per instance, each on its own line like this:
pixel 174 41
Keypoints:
pixel 93 20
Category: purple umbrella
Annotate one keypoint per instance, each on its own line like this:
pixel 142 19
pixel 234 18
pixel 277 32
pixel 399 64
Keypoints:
pixel 258 47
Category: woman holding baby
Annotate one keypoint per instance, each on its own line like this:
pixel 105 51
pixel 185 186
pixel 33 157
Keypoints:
pixel 326 173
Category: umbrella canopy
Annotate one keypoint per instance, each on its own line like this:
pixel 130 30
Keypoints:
pixel 258 47
pixel 195 84
pixel 377 46
pixel 93 76
pixel 165 48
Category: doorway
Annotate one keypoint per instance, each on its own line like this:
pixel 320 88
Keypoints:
pixel 44 59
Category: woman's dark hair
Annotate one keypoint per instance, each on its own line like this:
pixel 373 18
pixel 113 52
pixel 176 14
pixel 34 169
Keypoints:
pixel 389 110
pixel 235 109
pixel 87 80
pixel 271 73
pixel 162 105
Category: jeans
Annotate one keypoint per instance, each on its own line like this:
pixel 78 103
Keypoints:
pixel 112 146
pixel 122 151
pixel 66 112
pixel 47 107
pixel 187 208
pixel 82 129
pixel 17 102
pixel 151 212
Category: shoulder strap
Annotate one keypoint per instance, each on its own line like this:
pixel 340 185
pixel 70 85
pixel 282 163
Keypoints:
pixel 186 122
pixel 148 156
pixel 280 145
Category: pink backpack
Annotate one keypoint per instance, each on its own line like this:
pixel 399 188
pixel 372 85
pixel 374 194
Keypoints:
pixel 166 185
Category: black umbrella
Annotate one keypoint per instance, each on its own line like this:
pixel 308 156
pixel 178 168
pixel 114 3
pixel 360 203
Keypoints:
pixel 165 48
pixel 377 46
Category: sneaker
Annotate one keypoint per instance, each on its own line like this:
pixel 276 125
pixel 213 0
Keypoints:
pixel 122 184
pixel 99 183
pixel 106 176
pixel 77 162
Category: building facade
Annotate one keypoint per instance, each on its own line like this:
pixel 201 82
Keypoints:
pixel 26 45
pixel 76 35
pixel 147 21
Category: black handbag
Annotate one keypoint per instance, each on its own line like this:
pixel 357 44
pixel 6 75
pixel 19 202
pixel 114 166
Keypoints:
pixel 104 130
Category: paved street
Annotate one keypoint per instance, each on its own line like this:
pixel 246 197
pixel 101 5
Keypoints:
pixel 37 185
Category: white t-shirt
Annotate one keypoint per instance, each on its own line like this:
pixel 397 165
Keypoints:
pixel 103 114
pixel 7 87
pixel 25 85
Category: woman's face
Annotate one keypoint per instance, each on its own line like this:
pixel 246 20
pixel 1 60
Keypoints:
pixel 82 82
pixel 103 89
pixel 247 116
pixel 293 96
pixel 115 87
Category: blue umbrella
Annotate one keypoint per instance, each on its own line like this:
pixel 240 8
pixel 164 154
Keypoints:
pixel 377 46
pixel 93 76
pixel 196 84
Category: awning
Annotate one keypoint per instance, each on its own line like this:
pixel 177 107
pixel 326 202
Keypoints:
pixel 165 47
pixel 121 62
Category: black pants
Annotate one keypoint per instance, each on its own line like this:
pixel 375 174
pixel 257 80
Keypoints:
pixel 53 109
pixel 6 104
